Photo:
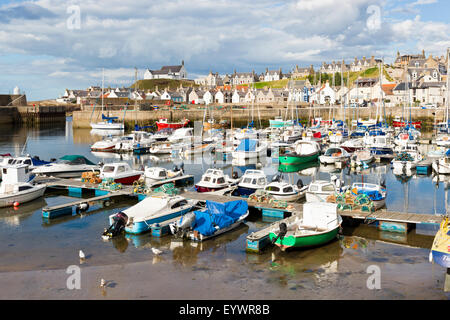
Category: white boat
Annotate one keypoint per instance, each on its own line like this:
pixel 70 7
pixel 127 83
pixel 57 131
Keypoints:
pixel 108 144
pixel 120 172
pixel 214 180
pixel 250 149
pixel 436 152
pixel 291 134
pixel 216 219
pixel 197 149
pixel 282 190
pixel 442 165
pixel 319 190
pixel 338 136
pixel 333 155
pixel 443 140
pixel 353 145
pixel 405 139
pixel 70 166
pixel 137 140
pixel 149 211
pixel 375 192
pixel 161 148
pixel 247 133
pixel 16 187
pixel 251 181
pixel 362 158
pixel 182 135
pixel 379 144
pixel 159 174
pixel 407 158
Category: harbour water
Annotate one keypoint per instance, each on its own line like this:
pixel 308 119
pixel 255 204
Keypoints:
pixel 40 250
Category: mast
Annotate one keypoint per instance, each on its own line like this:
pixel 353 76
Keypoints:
pixel 103 85
pixel 448 89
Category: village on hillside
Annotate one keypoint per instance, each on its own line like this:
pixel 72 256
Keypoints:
pixel 412 78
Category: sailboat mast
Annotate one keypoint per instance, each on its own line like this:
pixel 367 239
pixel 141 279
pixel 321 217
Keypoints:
pixel 448 89
pixel 103 85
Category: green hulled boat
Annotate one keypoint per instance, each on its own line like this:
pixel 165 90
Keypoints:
pixel 297 167
pixel 280 123
pixel 320 224
pixel 304 152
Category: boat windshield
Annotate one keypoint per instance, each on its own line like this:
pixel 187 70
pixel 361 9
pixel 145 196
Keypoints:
pixel 108 169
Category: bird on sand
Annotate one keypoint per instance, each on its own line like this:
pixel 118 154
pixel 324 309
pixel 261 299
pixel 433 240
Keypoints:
pixel 102 283
pixel 156 251
pixel 82 255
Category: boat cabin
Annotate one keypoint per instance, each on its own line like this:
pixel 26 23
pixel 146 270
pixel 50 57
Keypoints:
pixel 254 178
pixel 279 187
pixel 13 176
pixel 213 176
pixel 321 186
pixel 112 170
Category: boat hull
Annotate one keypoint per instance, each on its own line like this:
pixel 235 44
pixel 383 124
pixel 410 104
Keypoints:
pixel 297 159
pixel 128 180
pixel 22 197
pixel 305 241
pixel 163 125
pixel 401 124
pixel 107 126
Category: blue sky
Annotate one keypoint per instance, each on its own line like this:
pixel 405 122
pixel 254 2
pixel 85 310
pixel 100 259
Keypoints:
pixel 44 51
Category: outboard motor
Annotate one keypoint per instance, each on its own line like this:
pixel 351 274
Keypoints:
pixel 182 167
pixel 179 229
pixel 175 168
pixel 277 178
pixel 235 175
pixel 120 220
pixel 300 183
pixel 282 233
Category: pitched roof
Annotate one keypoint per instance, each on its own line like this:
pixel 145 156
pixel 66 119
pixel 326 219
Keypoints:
pixel 387 88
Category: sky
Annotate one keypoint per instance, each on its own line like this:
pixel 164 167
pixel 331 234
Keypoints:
pixel 47 46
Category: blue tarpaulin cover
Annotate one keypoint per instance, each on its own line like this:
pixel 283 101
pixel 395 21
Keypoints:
pixel 37 162
pixel 218 214
pixel 247 145
pixel 372 194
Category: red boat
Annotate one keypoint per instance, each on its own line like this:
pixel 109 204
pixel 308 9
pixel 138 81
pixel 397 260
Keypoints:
pixel 401 124
pixel 163 123
pixel 120 172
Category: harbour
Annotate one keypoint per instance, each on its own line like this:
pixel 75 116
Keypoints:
pixel 247 245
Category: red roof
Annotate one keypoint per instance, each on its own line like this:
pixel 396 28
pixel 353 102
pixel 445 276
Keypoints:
pixel 387 88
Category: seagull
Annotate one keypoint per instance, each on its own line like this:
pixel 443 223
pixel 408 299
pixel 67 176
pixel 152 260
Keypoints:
pixel 82 256
pixel 156 251
pixel 102 283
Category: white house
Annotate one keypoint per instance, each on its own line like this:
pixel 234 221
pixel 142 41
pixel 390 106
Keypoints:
pixel 238 96
pixel 167 72
pixel 219 97
pixel 208 97
pixel 273 75
pixel 325 95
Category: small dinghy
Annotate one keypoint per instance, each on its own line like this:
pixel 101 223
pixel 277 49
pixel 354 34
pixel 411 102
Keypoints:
pixel 120 172
pixel 319 225
pixel 333 155
pixel 375 192
pixel 362 158
pixel 214 180
pixel 151 210
pixel 353 145
pixel 159 174
pixel 160 148
pixel 304 151
pixel 16 186
pixel 407 158
pixel 282 190
pixel 216 219
pixel 250 149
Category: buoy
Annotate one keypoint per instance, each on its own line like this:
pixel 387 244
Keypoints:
pixel 16 204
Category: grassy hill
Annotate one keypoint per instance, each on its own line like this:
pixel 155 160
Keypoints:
pixel 162 84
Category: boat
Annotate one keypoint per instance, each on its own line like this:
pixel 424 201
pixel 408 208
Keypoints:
pixel 436 152
pixel 120 172
pixel 108 144
pixel 406 138
pixel 159 174
pixel 443 140
pixel 182 135
pixel 214 180
pixel 212 124
pixel 319 190
pixel 353 145
pixel 398 123
pixel 69 166
pixel 440 250
pixel 379 145
pixel 338 136
pixel 216 219
pixel 164 123
pixel 375 192
pixel 137 142
pixel 282 190
pixel 362 158
pixel 17 187
pixel 442 165
pixel 407 158
pixel 149 211
pixel 278 122
pixel 196 149
pixel 251 181
pixel 319 224
pixel 304 151
pixel 291 135
pixel 160 148
pixel 333 155
pixel 107 123
pixel 250 149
